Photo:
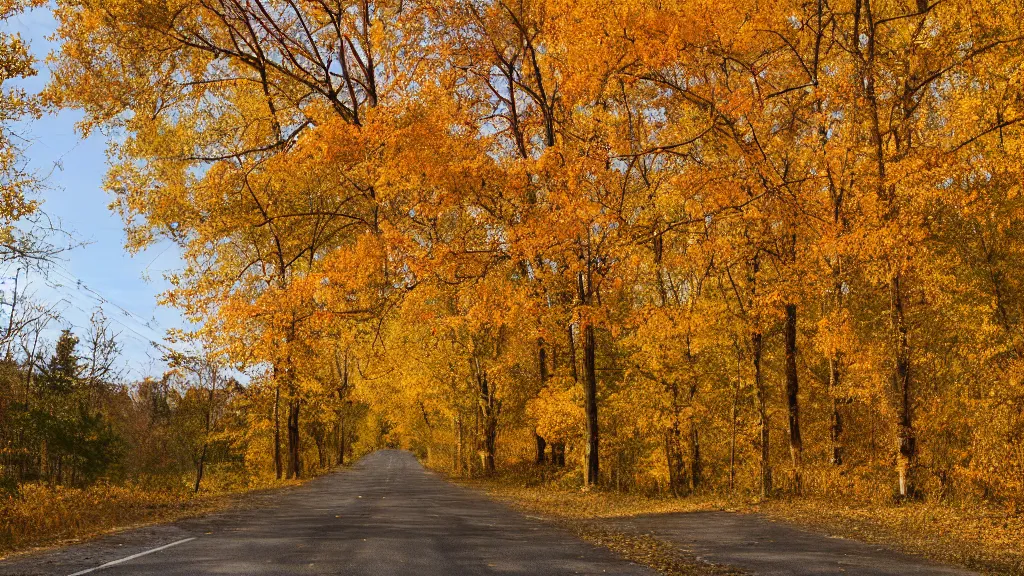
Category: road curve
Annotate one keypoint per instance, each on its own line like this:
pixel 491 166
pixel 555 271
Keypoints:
pixel 385 516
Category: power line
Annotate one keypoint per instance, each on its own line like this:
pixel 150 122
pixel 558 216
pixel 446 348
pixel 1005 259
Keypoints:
pixel 144 339
pixel 68 275
pixel 146 343
pixel 79 295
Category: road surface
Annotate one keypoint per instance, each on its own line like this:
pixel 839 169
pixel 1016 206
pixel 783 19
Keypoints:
pixel 385 516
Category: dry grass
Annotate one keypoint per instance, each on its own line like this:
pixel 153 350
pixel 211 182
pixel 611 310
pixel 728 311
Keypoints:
pixel 595 503
pixel 46 515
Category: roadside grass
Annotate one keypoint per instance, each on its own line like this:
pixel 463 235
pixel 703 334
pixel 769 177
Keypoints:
pixel 582 504
pixel 983 538
pixel 40 515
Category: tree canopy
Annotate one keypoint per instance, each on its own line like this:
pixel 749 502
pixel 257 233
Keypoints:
pixel 757 245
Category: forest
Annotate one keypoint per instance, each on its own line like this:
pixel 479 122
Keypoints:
pixel 661 247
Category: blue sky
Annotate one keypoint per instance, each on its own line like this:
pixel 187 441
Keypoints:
pixel 100 273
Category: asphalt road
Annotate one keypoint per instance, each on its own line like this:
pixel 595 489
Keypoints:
pixel 387 515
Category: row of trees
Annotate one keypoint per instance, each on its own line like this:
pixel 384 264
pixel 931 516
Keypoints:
pixel 672 244
pixel 69 416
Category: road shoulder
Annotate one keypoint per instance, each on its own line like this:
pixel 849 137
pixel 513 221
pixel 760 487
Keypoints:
pixel 692 534
pixel 100 547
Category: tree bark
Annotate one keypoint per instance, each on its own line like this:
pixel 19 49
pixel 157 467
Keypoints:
pixel 677 480
pixel 792 399
pixel 906 436
pixel 733 416
pixel 558 448
pixel 757 346
pixel 572 355
pixel 489 407
pixel 836 424
pixel 342 445
pixel 459 460
pixel 593 443
pixel 342 393
pixel 558 454
pixel 294 461
pixel 210 397
pixel 321 447
pixel 901 382
pixel 757 352
pixel 835 361
pixel 590 402
pixel 278 467
pixel 696 464
pixel 543 366
pixel 199 469
pixel 835 375
pixel 695 461
pixel 541 457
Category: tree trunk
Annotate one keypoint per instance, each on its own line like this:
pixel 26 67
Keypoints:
pixel 835 361
pixel 906 437
pixel 733 413
pixel 558 448
pixel 199 468
pixel 278 468
pixel 677 481
pixel 885 191
pixel 342 392
pixel 209 426
pixel 836 424
pixel 341 440
pixel 792 399
pixel 543 366
pixel 696 465
pixel 572 355
pixel 489 407
pixel 590 403
pixel 695 462
pixel 321 448
pixel 835 380
pixel 593 443
pixel 458 465
pixel 294 462
pixel 487 456
pixel 558 453
pixel 757 345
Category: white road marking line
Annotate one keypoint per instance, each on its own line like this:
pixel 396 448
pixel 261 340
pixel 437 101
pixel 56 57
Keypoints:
pixel 132 557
